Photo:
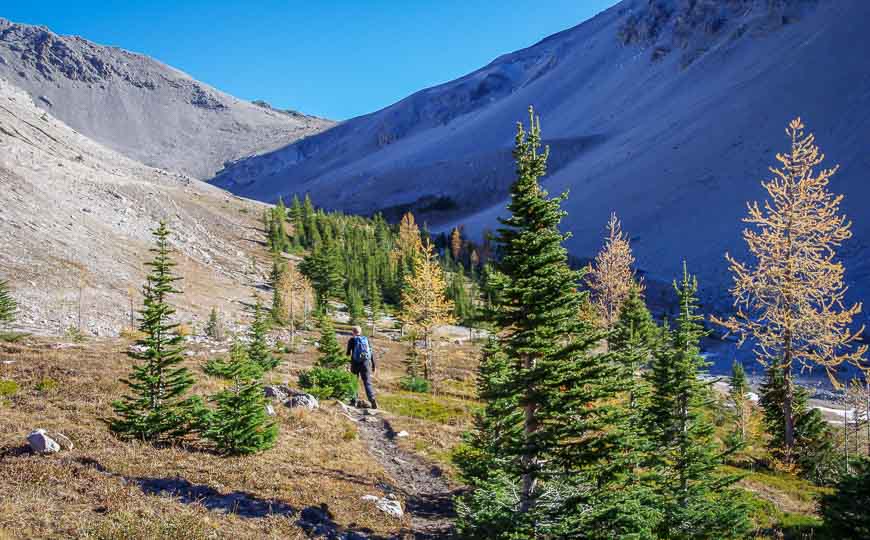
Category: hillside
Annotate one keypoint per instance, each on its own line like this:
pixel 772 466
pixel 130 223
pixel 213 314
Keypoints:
pixel 75 218
pixel 140 107
pixel 667 112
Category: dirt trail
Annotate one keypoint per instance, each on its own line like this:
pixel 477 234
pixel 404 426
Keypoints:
pixel 427 493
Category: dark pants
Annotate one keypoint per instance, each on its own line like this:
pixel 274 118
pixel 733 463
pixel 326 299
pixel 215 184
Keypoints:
pixel 365 372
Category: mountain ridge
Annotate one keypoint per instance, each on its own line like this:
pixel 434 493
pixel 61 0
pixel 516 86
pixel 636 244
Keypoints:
pixel 140 106
pixel 633 129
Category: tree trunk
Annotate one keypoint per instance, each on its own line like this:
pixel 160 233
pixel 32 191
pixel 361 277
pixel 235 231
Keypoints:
pixel 787 408
pixel 529 461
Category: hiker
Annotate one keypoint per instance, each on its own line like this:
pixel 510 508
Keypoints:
pixel 362 363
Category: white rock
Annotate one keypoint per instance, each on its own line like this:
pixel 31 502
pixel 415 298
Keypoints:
pixel 402 434
pixel 390 507
pixel 270 410
pixel 41 443
pixel 371 498
pixel 306 401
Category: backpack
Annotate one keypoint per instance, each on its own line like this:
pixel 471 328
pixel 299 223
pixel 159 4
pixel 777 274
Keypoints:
pixel 362 352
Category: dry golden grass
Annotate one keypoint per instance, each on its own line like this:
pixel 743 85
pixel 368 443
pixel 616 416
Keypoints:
pixel 107 488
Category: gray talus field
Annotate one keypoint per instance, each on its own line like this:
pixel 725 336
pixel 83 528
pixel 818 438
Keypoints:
pixel 140 107
pixel 667 112
pixel 75 221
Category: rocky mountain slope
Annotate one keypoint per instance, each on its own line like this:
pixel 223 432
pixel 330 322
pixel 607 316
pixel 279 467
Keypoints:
pixel 75 219
pixel 665 111
pixel 140 107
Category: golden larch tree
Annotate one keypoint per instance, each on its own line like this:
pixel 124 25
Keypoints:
pixel 408 240
pixel 425 305
pixel 611 276
pixel 295 289
pixel 789 300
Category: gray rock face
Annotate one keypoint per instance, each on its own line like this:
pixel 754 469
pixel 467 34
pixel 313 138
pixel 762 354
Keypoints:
pixel 180 124
pixel 41 443
pixel 667 112
pixel 45 164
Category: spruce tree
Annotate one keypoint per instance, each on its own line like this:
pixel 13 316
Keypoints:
pixel 239 424
pixel 812 452
pixel 214 328
pixel 8 306
pixel 324 269
pixel 331 355
pixel 329 378
pixel 558 448
pixel 845 509
pixel 279 303
pixel 355 306
pixel 633 341
pixel 695 500
pixel 157 407
pixel 739 397
pixel 375 301
pixel 258 347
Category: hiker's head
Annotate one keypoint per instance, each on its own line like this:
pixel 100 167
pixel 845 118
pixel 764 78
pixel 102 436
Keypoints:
pixel 356 330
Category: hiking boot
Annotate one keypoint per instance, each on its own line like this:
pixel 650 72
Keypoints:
pixel 374 404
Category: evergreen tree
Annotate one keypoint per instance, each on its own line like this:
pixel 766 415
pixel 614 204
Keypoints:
pixel 329 378
pixel 845 509
pixel 739 396
pixel 813 452
pixel 355 306
pixel 157 407
pixel 258 347
pixel 276 227
pixel 634 326
pixel 279 303
pixel 215 327
pixel 463 308
pixel 8 306
pixel 239 424
pixel 561 432
pixel 633 341
pixel 696 501
pixel 375 302
pixel 325 271
pixel 331 354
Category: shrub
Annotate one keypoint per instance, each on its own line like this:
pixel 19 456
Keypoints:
pixel 327 383
pixel 13 337
pixel 415 384
pixel 8 389
pixel 73 333
pixel 131 334
pixel 46 385
pixel 183 330
pixel 845 510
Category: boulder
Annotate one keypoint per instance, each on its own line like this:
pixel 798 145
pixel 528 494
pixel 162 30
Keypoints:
pixel 277 392
pixel 306 401
pixel 390 507
pixel 41 443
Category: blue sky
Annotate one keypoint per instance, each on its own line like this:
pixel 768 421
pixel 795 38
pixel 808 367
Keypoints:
pixel 333 58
